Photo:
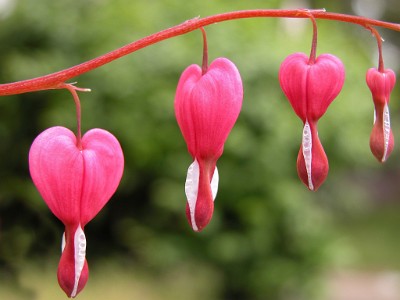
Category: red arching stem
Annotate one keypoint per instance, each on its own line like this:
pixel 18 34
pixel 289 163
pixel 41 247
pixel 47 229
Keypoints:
pixel 204 66
pixel 73 90
pixel 313 52
pixel 53 80
pixel 381 66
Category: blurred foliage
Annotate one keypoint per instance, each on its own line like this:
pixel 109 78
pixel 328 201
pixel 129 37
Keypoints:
pixel 270 238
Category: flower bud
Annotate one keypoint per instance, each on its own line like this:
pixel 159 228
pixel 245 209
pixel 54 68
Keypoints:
pixel 381 85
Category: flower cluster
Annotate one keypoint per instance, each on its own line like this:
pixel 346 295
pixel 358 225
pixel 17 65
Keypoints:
pixel 76 176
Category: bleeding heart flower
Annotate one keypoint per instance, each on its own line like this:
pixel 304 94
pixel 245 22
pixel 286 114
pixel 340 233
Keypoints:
pixel 381 85
pixel 310 88
pixel 75 181
pixel 206 107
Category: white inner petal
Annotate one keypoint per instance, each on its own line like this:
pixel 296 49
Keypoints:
pixel 386 130
pixel 307 152
pixel 214 183
pixel 63 243
pixel 80 253
pixel 192 188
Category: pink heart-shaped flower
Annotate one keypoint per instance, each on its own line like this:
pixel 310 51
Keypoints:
pixel 310 88
pixel 381 85
pixel 206 108
pixel 75 182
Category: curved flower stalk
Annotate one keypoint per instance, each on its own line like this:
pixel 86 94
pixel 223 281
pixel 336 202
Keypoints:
pixel 381 84
pixel 207 105
pixel 76 178
pixel 310 87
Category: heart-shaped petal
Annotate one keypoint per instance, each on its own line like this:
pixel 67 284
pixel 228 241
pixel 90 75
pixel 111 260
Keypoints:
pixel 207 106
pixel 76 183
pixel 56 167
pixel 381 85
pixel 311 88
pixel 103 165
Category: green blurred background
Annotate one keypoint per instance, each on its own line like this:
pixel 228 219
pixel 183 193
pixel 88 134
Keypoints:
pixel 270 238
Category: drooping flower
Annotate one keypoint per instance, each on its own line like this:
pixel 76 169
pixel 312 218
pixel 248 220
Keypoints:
pixel 75 181
pixel 381 85
pixel 206 108
pixel 310 87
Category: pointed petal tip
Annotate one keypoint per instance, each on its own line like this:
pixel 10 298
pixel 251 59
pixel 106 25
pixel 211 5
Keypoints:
pixel 381 146
pixel 200 221
pixel 200 193
pixel 314 176
pixel 73 271
pixel 319 175
pixel 311 187
pixel 66 280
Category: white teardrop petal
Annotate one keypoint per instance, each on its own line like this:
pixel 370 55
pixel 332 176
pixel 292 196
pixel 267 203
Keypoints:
pixel 214 183
pixel 191 190
pixel 307 152
pixel 386 130
pixel 79 256
pixel 63 243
